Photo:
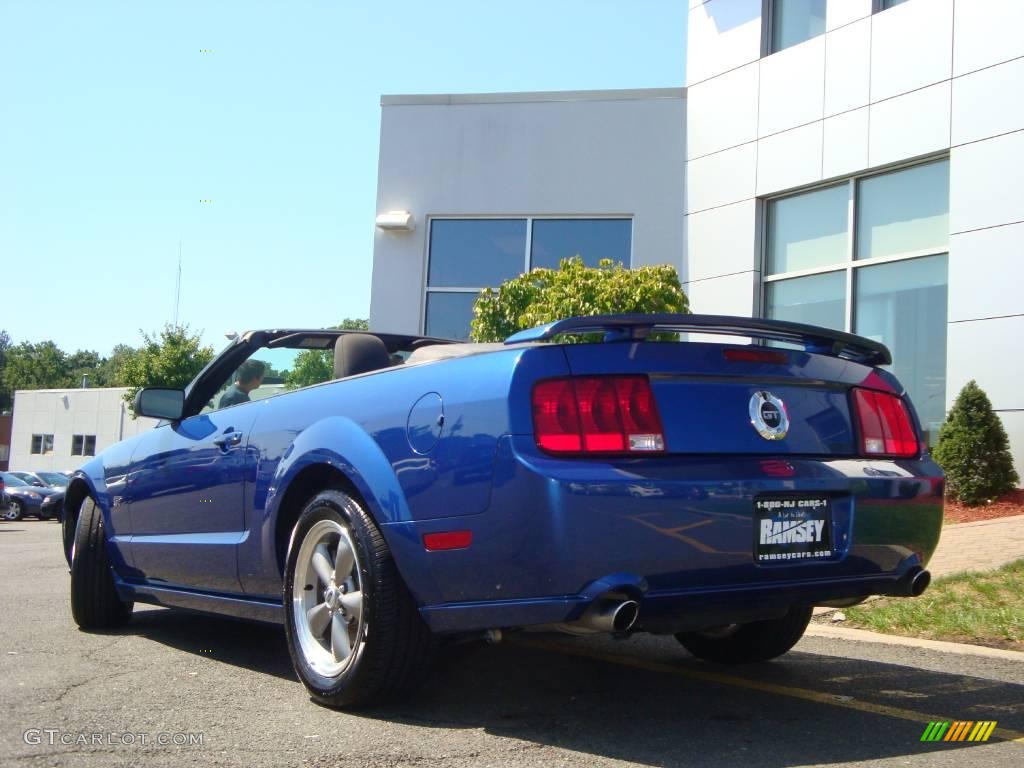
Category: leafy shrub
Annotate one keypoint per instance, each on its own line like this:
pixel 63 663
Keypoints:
pixel 544 295
pixel 974 450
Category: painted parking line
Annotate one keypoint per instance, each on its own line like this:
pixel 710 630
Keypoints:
pixel 834 700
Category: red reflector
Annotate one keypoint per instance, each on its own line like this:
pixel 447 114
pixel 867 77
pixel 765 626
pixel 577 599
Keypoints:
pixel 755 356
pixel 597 414
pixel 447 540
pixel 885 425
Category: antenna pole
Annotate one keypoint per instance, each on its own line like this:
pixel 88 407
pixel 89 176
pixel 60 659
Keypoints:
pixel 177 287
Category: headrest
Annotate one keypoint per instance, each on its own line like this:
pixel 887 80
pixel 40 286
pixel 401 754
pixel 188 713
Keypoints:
pixel 359 353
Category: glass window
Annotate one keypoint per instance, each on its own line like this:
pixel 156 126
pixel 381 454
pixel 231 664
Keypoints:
pixel 592 239
pixel 90 445
pixel 449 314
pixel 42 443
pixel 794 21
pixel 76 445
pixel 903 305
pixel 903 212
pixel 817 300
pixel 465 253
pixel 891 3
pixel 808 230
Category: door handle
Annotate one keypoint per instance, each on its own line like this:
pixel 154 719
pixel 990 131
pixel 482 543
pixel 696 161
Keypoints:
pixel 228 440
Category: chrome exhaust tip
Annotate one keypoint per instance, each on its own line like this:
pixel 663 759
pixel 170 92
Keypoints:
pixel 612 615
pixel 919 582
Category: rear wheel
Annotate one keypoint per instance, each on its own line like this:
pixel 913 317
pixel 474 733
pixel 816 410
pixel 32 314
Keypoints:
pixel 746 643
pixel 95 603
pixel 354 633
pixel 15 509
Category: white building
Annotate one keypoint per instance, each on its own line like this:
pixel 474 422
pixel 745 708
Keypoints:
pixel 61 429
pixel 851 163
pixel 498 182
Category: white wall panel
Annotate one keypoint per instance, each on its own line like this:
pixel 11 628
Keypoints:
pixel 987 351
pixel 1013 423
pixel 910 125
pixel 721 241
pixel 841 12
pixel 847 67
pixel 729 295
pixel 910 46
pixel 985 187
pixel 792 87
pixel 845 144
pixel 789 159
pixel 982 268
pixel 722 112
pixel 722 35
pixel 722 178
pixel 987 32
pixel 989 102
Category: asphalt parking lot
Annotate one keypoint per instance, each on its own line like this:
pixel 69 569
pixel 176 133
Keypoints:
pixel 532 700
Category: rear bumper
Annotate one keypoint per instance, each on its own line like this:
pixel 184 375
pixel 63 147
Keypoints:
pixel 674 533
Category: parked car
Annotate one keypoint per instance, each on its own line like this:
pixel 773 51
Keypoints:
pixel 43 479
pixel 24 500
pixel 710 491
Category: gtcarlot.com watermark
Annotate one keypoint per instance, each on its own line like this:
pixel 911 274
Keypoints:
pixel 53 737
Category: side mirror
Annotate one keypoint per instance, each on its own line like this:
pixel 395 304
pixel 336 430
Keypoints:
pixel 160 403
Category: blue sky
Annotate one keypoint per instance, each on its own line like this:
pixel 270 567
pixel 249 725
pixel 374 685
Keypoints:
pixel 114 125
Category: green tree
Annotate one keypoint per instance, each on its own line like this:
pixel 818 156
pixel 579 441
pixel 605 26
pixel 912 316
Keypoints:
pixel 574 289
pixel 110 373
pixel 974 450
pixel 313 366
pixel 84 363
pixel 35 366
pixel 170 359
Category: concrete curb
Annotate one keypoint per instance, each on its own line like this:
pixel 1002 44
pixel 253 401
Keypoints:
pixel 863 636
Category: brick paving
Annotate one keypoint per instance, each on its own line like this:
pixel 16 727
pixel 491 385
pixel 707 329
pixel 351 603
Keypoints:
pixel 978 546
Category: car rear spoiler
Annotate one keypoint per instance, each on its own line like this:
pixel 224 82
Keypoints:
pixel 636 327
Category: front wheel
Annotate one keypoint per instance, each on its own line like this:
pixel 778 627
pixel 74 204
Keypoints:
pixel 354 633
pixel 95 603
pixel 15 509
pixel 747 643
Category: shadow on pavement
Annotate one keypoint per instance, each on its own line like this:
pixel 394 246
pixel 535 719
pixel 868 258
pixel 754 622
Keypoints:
pixel 544 697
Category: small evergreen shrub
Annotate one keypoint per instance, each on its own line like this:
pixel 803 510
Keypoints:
pixel 974 450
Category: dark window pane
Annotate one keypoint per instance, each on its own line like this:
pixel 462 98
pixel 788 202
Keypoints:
pixel 904 211
pixel 471 253
pixel 794 21
pixel 37 443
pixel 808 230
pixel 76 445
pixel 449 314
pixel 891 3
pixel 592 239
pixel 47 443
pixel 904 306
pixel 90 445
pixel 817 300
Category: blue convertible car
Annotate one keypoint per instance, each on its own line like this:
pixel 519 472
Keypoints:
pixel 596 474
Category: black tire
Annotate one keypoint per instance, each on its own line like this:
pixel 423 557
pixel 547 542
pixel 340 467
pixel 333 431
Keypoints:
pixel 15 510
pixel 94 600
pixel 393 647
pixel 748 643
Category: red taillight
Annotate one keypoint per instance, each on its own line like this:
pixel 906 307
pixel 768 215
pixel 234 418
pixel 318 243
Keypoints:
pixel 756 356
pixel 885 425
pixel 597 414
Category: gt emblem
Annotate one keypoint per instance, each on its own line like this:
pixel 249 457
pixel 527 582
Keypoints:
pixel 768 415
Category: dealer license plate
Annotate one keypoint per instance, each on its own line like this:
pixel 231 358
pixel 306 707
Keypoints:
pixel 793 528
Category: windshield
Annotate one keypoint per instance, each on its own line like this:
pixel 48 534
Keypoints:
pixel 53 478
pixel 10 479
